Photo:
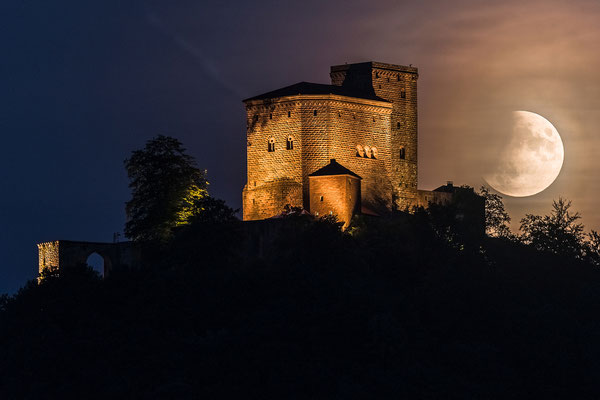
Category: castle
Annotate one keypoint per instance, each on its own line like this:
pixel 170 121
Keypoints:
pixel 341 149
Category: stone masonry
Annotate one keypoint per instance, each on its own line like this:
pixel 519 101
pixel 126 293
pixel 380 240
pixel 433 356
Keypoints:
pixel 59 254
pixel 366 120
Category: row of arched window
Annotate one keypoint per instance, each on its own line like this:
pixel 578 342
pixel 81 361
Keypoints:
pixel 371 152
pixel 289 144
pixel 366 151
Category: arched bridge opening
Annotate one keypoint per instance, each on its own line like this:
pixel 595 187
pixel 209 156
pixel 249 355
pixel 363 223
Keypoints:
pixel 104 256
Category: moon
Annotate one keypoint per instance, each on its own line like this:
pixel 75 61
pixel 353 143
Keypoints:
pixel 532 158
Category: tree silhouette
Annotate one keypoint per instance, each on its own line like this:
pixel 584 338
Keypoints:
pixel 166 187
pixel 496 217
pixel 558 233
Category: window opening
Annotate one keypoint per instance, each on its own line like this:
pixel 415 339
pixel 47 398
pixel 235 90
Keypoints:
pixel 359 151
pixel 367 152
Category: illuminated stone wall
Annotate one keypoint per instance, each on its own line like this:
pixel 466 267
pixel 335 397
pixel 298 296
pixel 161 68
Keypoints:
pixel 334 126
pixel 322 127
pixel 335 194
pixel 397 84
pixel 48 255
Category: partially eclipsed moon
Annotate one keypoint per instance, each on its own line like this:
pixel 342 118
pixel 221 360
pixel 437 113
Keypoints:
pixel 532 159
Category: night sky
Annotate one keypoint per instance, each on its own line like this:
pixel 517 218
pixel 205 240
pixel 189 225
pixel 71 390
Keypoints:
pixel 83 83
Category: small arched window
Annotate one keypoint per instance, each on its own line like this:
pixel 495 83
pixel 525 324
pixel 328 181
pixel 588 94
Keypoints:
pixel 271 145
pixel 289 144
pixel 402 153
pixel 367 152
pixel 359 151
pixel 373 152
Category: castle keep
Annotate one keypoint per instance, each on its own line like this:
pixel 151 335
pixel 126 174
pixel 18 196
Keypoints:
pixel 363 126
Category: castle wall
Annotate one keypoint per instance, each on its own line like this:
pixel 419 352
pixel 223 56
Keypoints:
pixel 367 126
pixel 48 255
pixel 397 84
pixel 335 194
pixel 426 197
pixel 65 253
pixel 323 127
pixel 274 177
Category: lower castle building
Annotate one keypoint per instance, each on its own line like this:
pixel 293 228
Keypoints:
pixel 309 143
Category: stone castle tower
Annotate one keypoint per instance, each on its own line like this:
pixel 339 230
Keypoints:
pixel 363 125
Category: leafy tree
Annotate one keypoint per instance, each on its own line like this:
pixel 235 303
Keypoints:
pixel 166 189
pixel 496 217
pixel 213 236
pixel 460 221
pixel 592 247
pixel 208 209
pixel 558 233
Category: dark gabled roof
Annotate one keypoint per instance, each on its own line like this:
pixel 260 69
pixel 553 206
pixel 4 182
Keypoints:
pixel 318 88
pixel 450 188
pixel 334 168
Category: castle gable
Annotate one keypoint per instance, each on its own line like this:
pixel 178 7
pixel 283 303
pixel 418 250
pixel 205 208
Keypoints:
pixel 334 168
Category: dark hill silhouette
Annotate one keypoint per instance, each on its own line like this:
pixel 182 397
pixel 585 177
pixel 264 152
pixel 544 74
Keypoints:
pixel 405 307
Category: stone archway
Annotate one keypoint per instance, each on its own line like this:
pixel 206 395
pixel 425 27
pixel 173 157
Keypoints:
pixel 65 253
pixel 97 262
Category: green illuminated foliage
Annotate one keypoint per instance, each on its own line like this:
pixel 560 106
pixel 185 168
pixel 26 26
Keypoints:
pixel 191 204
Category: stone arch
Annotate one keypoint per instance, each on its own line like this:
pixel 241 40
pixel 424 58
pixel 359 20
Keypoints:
pixel 374 152
pixel 97 262
pixel 367 152
pixel 271 144
pixel 64 253
pixel 359 151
